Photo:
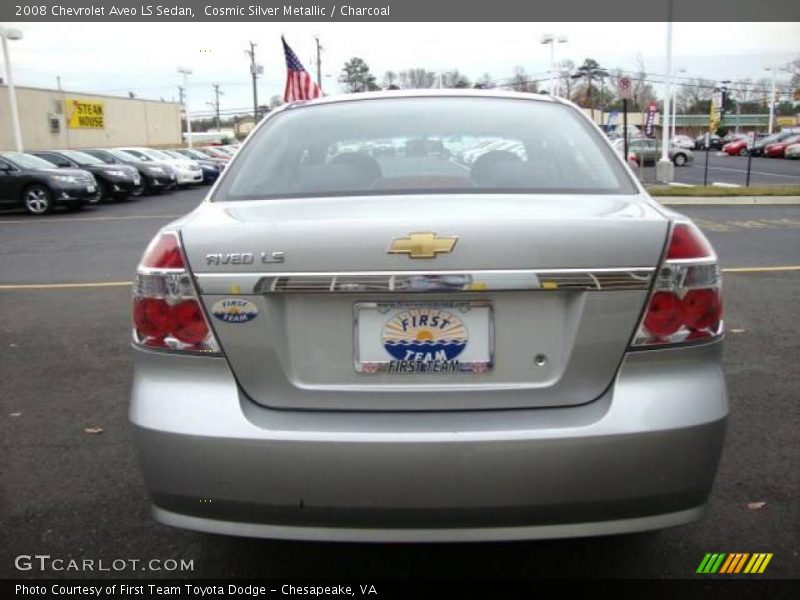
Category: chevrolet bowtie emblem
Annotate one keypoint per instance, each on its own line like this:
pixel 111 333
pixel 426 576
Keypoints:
pixel 422 245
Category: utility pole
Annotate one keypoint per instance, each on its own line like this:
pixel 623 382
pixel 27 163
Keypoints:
pixel 217 94
pixel 319 61
pixel 184 95
pixel 254 71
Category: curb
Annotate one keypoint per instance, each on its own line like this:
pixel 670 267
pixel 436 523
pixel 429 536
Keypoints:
pixel 727 200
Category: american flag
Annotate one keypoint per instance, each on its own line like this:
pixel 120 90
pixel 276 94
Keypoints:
pixel 299 84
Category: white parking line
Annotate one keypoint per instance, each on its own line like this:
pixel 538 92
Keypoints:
pixel 745 171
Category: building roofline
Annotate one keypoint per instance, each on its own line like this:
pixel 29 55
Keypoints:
pixel 76 93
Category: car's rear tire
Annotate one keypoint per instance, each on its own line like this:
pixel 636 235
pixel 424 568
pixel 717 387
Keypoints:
pixel 37 199
pixel 679 160
pixel 743 152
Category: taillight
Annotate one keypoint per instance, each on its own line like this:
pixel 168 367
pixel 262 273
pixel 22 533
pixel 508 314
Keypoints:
pixel 686 302
pixel 166 311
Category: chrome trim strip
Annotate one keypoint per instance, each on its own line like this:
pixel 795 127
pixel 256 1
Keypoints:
pixel 636 278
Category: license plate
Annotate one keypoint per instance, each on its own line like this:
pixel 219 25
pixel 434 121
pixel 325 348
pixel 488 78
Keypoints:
pixel 423 337
pixel 90 189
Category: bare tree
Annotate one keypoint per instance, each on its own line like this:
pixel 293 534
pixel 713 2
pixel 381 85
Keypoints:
pixel 565 81
pixel 794 69
pixel 743 90
pixel 455 79
pixel 522 82
pixel 694 92
pixel 416 79
pixel 389 79
pixel 762 90
pixel 642 90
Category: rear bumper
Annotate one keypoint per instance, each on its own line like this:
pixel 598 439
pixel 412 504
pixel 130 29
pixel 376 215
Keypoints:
pixel 642 456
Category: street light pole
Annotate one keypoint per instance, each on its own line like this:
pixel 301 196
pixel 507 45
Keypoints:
pixel 549 38
pixel 5 35
pixel 675 103
pixel 772 99
pixel 664 169
pixel 186 72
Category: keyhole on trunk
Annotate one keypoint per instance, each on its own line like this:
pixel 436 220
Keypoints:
pixel 540 360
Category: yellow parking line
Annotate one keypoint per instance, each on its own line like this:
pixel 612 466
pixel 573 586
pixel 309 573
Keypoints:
pixel 73 219
pixel 63 286
pixel 761 269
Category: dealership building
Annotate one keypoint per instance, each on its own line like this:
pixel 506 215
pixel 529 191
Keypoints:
pixel 60 119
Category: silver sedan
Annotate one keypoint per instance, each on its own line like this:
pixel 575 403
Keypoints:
pixel 647 152
pixel 342 344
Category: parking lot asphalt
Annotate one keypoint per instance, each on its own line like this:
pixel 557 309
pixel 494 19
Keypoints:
pixel 732 170
pixel 65 362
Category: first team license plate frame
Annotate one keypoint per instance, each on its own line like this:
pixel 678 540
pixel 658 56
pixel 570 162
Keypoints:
pixel 371 357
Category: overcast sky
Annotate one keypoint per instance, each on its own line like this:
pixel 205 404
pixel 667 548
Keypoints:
pixel 115 58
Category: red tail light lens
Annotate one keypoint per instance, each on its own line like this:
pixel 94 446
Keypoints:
pixel 688 243
pixel 686 303
pixel 166 310
pixel 664 314
pixel 190 324
pixel 702 308
pixel 164 252
pixel 152 317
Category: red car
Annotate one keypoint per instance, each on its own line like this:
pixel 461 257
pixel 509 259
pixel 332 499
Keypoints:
pixel 777 150
pixel 736 148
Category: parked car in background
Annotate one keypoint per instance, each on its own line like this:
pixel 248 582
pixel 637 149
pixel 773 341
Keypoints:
pixel 195 154
pixel 647 152
pixel 777 149
pixel 759 147
pixel 39 186
pixel 113 181
pixel 215 152
pixel 187 171
pixel 715 142
pixel 683 141
pixel 156 177
pixel 739 147
pixel 211 169
pixel 792 151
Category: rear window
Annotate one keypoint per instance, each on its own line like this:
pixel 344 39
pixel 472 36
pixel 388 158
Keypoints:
pixel 425 145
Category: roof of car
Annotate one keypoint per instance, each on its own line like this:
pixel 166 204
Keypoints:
pixel 425 93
